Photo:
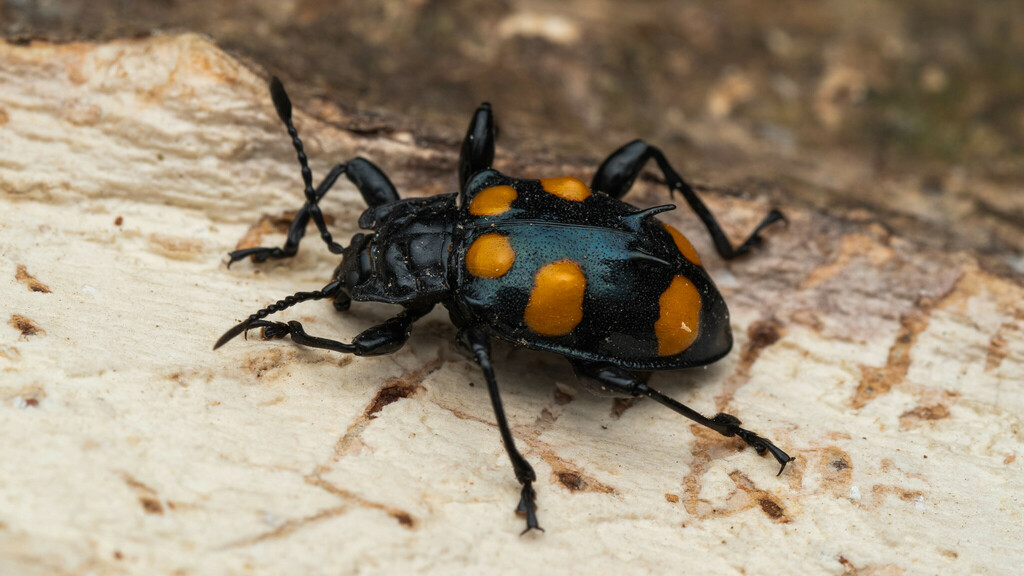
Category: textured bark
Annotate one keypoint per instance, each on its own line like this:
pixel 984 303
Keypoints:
pixel 128 169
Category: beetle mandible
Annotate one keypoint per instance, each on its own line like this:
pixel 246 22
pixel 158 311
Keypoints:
pixel 548 264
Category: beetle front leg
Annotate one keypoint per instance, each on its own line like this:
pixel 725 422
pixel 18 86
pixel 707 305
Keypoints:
pixel 612 378
pixel 619 171
pixel 332 290
pixel 384 338
pixel 479 345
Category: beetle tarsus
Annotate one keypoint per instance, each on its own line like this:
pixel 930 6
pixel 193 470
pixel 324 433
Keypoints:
pixel 755 239
pixel 528 507
pixel 271 330
pixel 760 444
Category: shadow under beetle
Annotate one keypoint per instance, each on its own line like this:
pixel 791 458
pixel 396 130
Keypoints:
pixel 547 264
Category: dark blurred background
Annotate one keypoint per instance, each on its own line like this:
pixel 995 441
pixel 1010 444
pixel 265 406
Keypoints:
pixel 907 112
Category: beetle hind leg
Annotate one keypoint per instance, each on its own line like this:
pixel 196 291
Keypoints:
pixel 619 171
pixel 479 345
pixel 611 378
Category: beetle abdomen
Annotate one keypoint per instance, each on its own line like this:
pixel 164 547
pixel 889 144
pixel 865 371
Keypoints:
pixel 551 265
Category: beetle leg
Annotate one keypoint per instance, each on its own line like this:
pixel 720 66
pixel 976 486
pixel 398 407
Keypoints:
pixel 478 147
pixel 613 378
pixel 329 291
pixel 479 345
pixel 619 171
pixel 371 182
pixel 384 338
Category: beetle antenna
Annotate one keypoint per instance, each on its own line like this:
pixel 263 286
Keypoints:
pixel 326 292
pixel 283 104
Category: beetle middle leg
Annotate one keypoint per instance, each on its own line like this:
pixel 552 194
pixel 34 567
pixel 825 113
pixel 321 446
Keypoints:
pixel 613 378
pixel 474 340
pixel 372 183
pixel 619 171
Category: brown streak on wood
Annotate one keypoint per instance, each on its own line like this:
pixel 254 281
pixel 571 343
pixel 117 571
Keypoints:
pixel 404 519
pixel 880 380
pixel 176 247
pixel 934 412
pixel 997 346
pixel 769 503
pixel 836 469
pixel 564 471
pixel 290 527
pixel 880 491
pixel 410 380
pixel 267 359
pixel 570 476
pixel 393 391
pixel 147 496
pixel 26 326
pixel 851 246
pixel 932 405
pixel 22 275
pixel 707 444
pixel 760 335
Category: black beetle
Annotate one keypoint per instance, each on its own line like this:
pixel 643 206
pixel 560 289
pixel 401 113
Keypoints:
pixel 547 264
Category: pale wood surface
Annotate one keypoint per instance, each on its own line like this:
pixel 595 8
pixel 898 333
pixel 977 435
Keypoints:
pixel 128 169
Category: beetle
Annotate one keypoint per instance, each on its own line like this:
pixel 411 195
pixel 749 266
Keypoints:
pixel 548 264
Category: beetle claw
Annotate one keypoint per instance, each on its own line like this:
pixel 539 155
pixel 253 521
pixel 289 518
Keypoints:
pixel 762 445
pixel 528 507
pixel 759 444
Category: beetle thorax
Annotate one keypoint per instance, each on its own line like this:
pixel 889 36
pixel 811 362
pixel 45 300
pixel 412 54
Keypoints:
pixel 404 260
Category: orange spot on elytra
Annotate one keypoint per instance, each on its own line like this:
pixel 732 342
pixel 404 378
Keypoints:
pixel 567 188
pixel 493 201
pixel 556 302
pixel 684 246
pixel 490 256
pixel 679 318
